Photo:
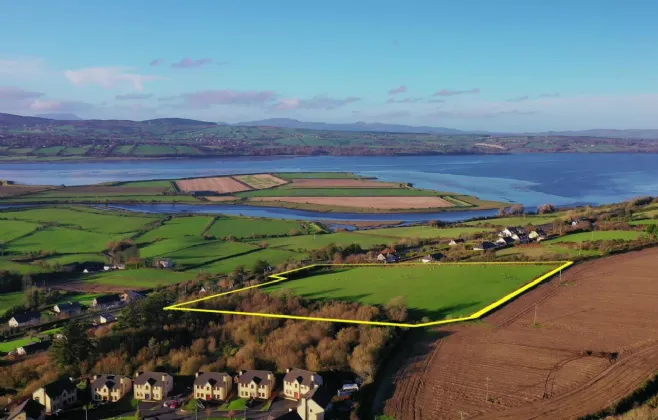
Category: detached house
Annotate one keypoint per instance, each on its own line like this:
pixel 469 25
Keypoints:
pixel 538 235
pixel 110 387
pixel 484 246
pixel 504 241
pixel 512 232
pixel 106 302
pixel 212 386
pixel 25 319
pixel 456 242
pixel 56 395
pixel 314 404
pixel 33 348
pixel 298 383
pixel 131 296
pixel 256 384
pixel 69 308
pixel 28 410
pixel 152 386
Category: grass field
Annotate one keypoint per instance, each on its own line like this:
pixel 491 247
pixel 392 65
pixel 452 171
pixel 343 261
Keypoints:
pixel 140 278
pixel 11 229
pixel 319 175
pixel 153 150
pixel 64 241
pixel 644 222
pixel 599 235
pixel 207 252
pixel 247 227
pixel 152 184
pixel 175 234
pixel 309 242
pixel 49 151
pixel 8 300
pixel 423 232
pixel 518 220
pixel 109 222
pixel 272 256
pixel 8 346
pixel 23 268
pixel 432 290
pixel 339 192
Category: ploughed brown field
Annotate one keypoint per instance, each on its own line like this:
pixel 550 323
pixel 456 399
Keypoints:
pixel 595 341
pixel 221 184
pixel 366 202
pixel 260 181
pixel 11 190
pixel 341 183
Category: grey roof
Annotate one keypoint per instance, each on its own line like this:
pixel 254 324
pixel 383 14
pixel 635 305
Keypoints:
pixel 254 375
pixel 36 347
pixel 486 244
pixel 210 377
pixel 112 381
pixel 506 239
pixel 153 378
pixel 134 296
pixel 320 396
pixel 30 407
pixel 27 316
pixel 301 376
pixel 291 415
pixel 109 317
pixel 69 306
pixel 55 389
pixel 104 300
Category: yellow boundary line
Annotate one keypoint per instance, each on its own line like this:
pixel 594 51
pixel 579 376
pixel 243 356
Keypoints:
pixel 281 278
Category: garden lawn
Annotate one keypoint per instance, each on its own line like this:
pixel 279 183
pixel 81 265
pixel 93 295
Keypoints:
pixel 247 227
pixel 316 175
pixel 310 242
pixel 10 229
pixel 82 298
pixel 64 241
pixel 9 300
pixel 140 278
pixel 338 192
pixel 423 232
pixel 273 256
pixel 599 235
pixel 109 222
pixel 432 290
pixel 208 252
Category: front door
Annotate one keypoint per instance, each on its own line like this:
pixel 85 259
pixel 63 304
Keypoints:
pixel 147 396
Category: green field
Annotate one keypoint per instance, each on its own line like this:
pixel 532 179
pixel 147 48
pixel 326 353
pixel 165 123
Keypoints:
pixel 122 150
pixel 107 222
pixel 316 175
pixel 145 278
pixel 64 241
pixel 151 184
pixel 423 232
pixel 22 268
pixel 518 220
pixel 49 151
pixel 339 192
pixel 247 227
pixel 310 242
pixel 432 290
pixel 644 222
pixel 75 151
pixel 153 150
pixel 175 234
pixel 272 256
pixel 8 346
pixel 11 229
pixel 208 252
pixel 599 235
pixel 9 300
pixel 128 197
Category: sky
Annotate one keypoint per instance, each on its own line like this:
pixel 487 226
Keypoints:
pixel 475 65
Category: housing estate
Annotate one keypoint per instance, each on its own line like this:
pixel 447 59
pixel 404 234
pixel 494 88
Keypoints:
pixel 152 386
pixel 25 319
pixel 312 406
pixel 299 382
pixel 28 410
pixel 256 384
pixel 56 395
pixel 456 241
pixel 484 246
pixel 68 308
pixel 212 386
pixel 110 387
pixel 106 302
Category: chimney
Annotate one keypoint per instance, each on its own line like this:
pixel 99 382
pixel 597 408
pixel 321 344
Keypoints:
pixel 164 378
pixel 196 375
pixel 288 370
pixel 138 373
pixel 269 376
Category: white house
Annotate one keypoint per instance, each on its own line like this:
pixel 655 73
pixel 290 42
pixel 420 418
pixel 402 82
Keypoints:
pixel 484 246
pixel 504 241
pixel 512 232
pixel 538 235
pixel 106 318
pixel 456 242
pixel 25 319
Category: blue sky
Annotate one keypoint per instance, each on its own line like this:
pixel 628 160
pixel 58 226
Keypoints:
pixel 503 65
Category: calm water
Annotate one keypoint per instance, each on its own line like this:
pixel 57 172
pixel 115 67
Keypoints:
pixel 534 179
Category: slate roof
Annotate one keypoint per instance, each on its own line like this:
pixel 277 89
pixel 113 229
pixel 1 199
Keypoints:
pixel 153 378
pixel 133 296
pixel 210 377
pixel 30 407
pixel 254 375
pixel 27 316
pixel 69 306
pixel 107 299
pixel 320 396
pixel 109 317
pixel 506 239
pixel 301 376
pixel 36 347
pixel 55 389
pixel 112 381
pixel 291 415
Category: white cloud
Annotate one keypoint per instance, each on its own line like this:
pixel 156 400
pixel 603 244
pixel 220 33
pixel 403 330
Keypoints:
pixel 108 77
pixel 61 106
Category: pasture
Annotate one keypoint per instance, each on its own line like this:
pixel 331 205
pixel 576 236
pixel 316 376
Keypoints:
pixel 305 243
pixel 518 220
pixel 599 235
pixel 260 181
pixel 436 291
pixel 143 278
pixel 220 184
pixel 9 300
pixel 64 241
pixel 272 256
pixel 242 227
pixel 208 252
pixel 423 232
pixel 11 229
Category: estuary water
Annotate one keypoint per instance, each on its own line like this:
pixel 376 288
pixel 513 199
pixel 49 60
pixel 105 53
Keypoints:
pixel 529 179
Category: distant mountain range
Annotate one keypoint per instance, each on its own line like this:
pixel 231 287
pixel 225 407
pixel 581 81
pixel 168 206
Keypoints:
pixel 9 120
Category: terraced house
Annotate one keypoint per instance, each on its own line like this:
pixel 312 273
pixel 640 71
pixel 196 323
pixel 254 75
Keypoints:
pixel 110 387
pixel 152 386
pixel 298 382
pixel 256 384
pixel 56 395
pixel 212 386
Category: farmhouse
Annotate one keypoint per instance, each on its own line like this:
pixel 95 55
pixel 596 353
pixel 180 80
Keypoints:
pixel 106 302
pixel 212 386
pixel 106 318
pixel 456 241
pixel 512 232
pixel 56 395
pixel 28 410
pixel 33 348
pixel 484 246
pixel 25 319
pixel 314 404
pixel 388 256
pixel 152 386
pixel 538 235
pixel 298 382
pixel 110 387
pixel 68 308
pixel 504 241
pixel 256 384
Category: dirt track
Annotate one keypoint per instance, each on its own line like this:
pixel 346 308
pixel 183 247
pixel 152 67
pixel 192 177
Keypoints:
pixel 596 340
pixel 389 203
